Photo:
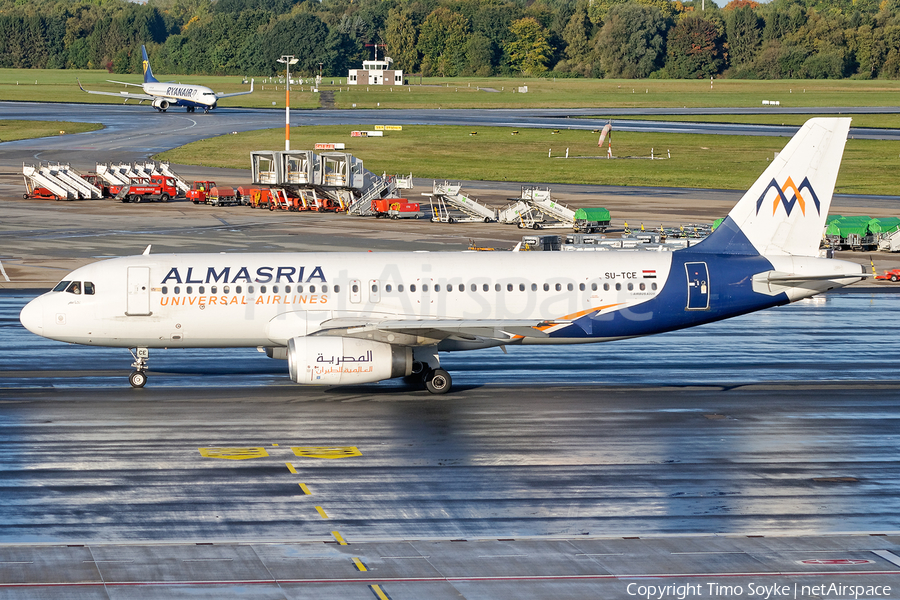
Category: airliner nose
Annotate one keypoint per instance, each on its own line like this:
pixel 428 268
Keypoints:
pixel 32 316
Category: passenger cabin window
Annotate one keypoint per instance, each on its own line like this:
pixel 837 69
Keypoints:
pixel 189 290
pixel 249 289
pixel 412 287
pixel 213 290
pixel 312 289
pixel 337 288
pixel 387 288
pixel 262 289
pixel 165 290
pixel 177 290
pixel 226 290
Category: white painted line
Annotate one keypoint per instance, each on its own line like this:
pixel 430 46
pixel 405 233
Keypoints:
pixel 3 272
pixel 888 556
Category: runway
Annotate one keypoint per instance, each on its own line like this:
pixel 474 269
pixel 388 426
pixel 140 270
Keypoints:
pixel 135 132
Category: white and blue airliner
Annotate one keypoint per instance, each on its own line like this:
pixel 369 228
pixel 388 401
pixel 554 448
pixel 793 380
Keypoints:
pixel 350 318
pixel 163 95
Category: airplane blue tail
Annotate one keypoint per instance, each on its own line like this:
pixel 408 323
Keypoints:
pixel 784 212
pixel 148 72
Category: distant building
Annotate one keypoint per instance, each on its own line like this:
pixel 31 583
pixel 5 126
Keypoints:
pixel 376 72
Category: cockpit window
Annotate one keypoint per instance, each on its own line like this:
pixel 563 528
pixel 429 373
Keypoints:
pixel 74 287
pixel 89 288
pixel 61 286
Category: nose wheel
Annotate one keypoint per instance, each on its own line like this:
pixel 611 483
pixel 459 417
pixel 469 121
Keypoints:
pixel 138 377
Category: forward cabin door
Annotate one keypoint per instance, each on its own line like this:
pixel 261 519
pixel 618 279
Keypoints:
pixel 138 292
pixel 697 285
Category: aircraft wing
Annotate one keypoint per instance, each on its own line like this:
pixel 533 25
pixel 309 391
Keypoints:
pixel 221 95
pixel 438 329
pixel 126 95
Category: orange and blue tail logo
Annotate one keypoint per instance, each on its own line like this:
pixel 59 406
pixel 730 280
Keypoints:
pixel 796 200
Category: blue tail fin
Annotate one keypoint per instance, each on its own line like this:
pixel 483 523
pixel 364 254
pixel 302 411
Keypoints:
pixel 148 72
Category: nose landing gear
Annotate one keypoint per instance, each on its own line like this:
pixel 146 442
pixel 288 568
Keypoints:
pixel 138 377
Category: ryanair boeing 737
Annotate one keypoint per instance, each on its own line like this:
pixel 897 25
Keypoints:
pixel 163 95
pixel 350 318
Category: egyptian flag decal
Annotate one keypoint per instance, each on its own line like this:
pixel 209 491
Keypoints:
pixel 649 273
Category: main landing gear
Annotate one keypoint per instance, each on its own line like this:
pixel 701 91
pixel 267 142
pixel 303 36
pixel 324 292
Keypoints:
pixel 438 381
pixel 138 377
pixel 427 371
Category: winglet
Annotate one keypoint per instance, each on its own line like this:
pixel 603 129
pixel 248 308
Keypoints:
pixel 79 85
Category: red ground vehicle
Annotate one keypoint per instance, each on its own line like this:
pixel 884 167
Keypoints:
pixel 199 190
pixel 892 274
pixel 155 187
pixel 109 191
pixel 395 208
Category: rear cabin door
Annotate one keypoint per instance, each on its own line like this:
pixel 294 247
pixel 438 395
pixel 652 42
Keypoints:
pixel 697 286
pixel 138 292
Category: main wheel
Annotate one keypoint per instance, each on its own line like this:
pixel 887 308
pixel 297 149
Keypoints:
pixel 438 381
pixel 138 379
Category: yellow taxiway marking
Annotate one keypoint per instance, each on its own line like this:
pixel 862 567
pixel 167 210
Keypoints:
pixel 233 453
pixel 305 489
pixel 291 468
pixel 325 452
pixel 274 444
pixel 321 511
pixel 359 564
pixel 340 540
pixel 379 593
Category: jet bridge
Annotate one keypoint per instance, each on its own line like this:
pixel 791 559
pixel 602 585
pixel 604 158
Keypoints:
pixel 338 176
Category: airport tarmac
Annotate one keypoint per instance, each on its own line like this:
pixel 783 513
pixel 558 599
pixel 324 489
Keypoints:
pixel 760 450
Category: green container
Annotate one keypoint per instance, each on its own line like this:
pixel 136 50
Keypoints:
pixel 592 214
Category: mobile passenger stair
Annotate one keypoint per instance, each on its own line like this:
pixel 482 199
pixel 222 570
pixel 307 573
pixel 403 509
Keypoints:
pixel 59 182
pixel 447 197
pixel 890 242
pixel 386 186
pixel 546 213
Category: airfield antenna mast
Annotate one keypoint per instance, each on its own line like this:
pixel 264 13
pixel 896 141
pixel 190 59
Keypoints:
pixel 288 60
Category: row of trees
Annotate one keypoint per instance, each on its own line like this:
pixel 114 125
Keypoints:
pixel 588 38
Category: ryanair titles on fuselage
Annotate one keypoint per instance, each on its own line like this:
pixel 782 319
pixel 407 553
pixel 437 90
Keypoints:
pixel 244 275
pixel 181 92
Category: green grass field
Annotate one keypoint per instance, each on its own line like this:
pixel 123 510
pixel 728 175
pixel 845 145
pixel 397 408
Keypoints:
pixel 21 130
pixel 434 92
pixel 888 121
pixel 702 161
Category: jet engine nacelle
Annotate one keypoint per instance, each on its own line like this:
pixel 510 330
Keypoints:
pixel 160 103
pixel 338 360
